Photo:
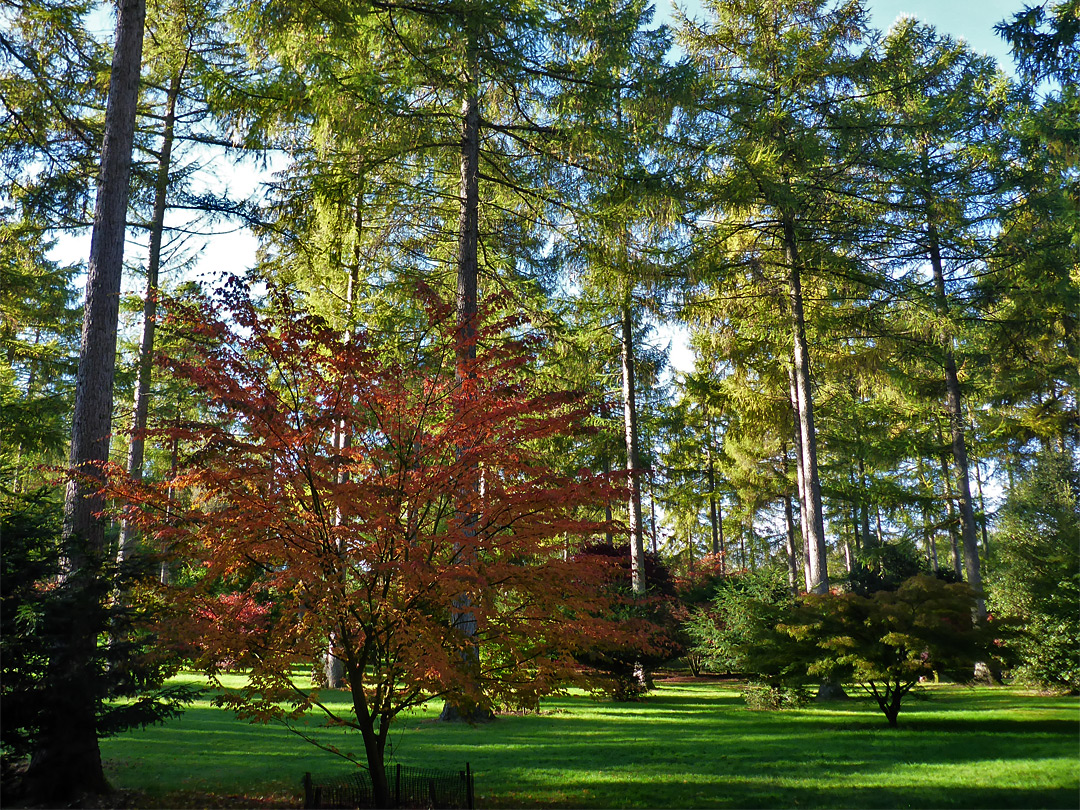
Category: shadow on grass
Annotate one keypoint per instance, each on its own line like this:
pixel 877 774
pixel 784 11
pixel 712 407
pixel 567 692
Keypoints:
pixel 688 745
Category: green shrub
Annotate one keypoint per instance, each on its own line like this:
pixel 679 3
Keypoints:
pixel 732 633
pixel 886 642
pixel 124 684
pixel 891 641
pixel 1034 577
pixel 769 697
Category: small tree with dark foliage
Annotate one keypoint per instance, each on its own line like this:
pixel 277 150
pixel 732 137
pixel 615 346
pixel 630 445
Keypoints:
pixel 891 641
pixel 39 694
pixel 654 619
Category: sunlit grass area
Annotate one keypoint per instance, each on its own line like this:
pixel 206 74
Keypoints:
pixel 687 745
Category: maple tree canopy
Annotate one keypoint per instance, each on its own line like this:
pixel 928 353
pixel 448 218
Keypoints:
pixel 331 492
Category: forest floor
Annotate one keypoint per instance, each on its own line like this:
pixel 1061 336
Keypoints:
pixel 691 743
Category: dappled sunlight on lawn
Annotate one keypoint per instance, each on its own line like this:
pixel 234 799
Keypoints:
pixel 687 745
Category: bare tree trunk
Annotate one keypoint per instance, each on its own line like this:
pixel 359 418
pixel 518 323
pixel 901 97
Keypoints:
pixel 67 760
pixel 800 475
pixel 864 509
pixel 609 537
pixel 792 555
pixel 333 665
pixel 813 519
pixel 928 535
pixel 174 462
pixel 972 568
pixel 137 448
pixel 946 480
pixel 982 507
pixel 652 510
pixel 633 478
pixel 711 473
pixel 465 620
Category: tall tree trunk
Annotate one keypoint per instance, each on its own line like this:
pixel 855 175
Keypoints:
pixel 136 451
pixel 813 523
pixel 946 480
pixel 972 569
pixel 609 536
pixel 652 511
pixel 864 509
pixel 467 296
pixel 982 507
pixel 928 534
pixel 855 526
pixel 800 476
pixel 333 665
pixel 813 520
pixel 67 760
pixel 711 474
pixel 792 554
pixel 174 463
pixel 633 478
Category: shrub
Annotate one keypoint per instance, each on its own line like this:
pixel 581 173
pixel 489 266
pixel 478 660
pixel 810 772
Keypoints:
pixel 1034 576
pixel 769 697
pixel 732 634
pixel 37 609
pixel 886 642
pixel 891 641
pixel 655 615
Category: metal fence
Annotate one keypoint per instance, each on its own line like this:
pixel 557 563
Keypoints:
pixel 409 788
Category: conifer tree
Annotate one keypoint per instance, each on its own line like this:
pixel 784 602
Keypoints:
pixel 773 76
pixel 67 760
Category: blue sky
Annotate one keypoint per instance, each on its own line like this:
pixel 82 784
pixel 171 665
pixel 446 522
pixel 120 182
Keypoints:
pixel 971 20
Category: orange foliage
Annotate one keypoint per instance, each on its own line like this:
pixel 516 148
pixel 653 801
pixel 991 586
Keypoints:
pixel 438 491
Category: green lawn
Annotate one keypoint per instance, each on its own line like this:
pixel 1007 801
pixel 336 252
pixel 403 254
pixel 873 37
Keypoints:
pixel 687 745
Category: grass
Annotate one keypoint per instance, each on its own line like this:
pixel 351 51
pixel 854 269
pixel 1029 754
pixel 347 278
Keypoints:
pixel 688 745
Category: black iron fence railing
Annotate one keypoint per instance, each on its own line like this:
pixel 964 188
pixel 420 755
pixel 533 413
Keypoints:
pixel 423 788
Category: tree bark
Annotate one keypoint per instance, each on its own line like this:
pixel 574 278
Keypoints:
pixel 950 507
pixel 800 477
pixel 136 450
pixel 637 548
pixel 928 535
pixel 864 509
pixel 954 404
pixel 792 554
pixel 67 760
pixel 813 524
pixel 713 521
pixel 374 738
pixel 467 296
pixel 333 666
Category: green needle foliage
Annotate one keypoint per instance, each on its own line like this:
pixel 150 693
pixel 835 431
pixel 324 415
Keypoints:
pixel 1036 574
pixel 39 606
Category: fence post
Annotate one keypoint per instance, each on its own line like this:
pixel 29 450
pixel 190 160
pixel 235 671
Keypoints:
pixel 397 785
pixel 469 786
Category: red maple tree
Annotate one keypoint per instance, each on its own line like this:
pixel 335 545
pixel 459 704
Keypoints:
pixel 442 489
